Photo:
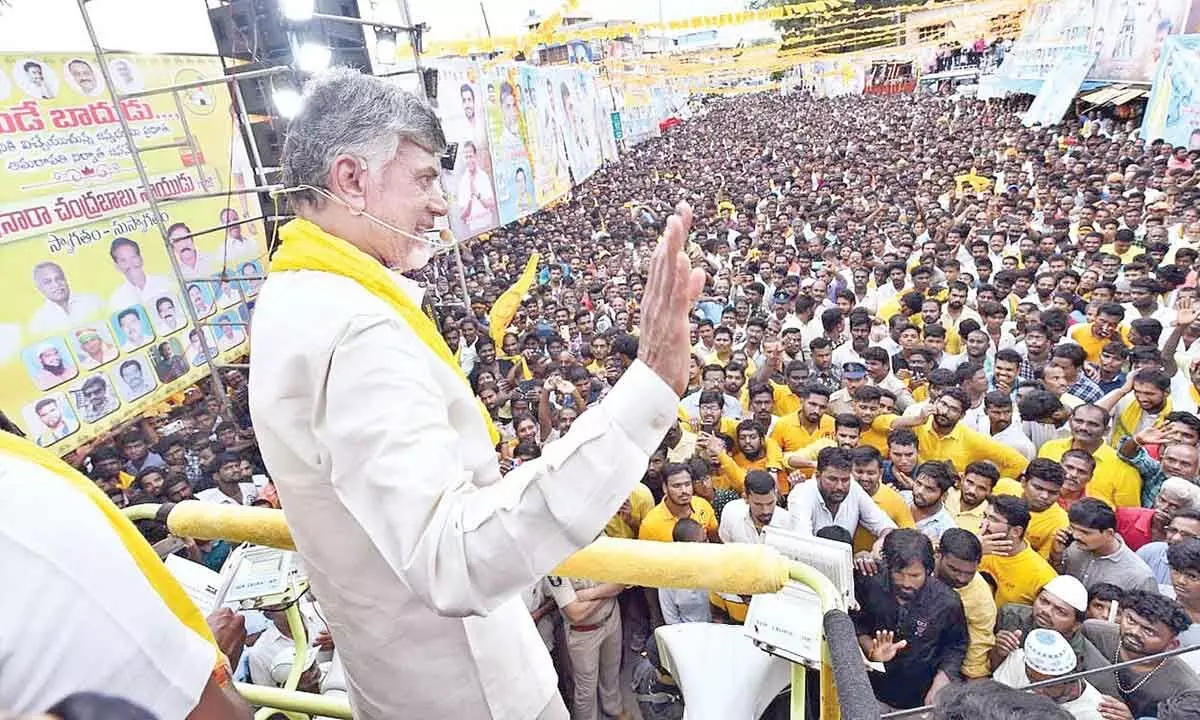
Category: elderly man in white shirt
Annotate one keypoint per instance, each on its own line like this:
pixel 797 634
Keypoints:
pixel 417 546
pixel 832 498
pixel 63 309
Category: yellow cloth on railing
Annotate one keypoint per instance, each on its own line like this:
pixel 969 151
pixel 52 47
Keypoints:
pixel 304 246
pixel 147 561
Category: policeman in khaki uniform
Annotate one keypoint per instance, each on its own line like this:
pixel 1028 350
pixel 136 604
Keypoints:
pixel 593 628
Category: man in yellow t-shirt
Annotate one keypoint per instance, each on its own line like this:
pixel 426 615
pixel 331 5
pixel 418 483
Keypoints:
pixel 798 429
pixel 1093 336
pixel 968 502
pixel 679 501
pixel 1018 571
pixel 1041 486
pixel 866 469
pixel 628 520
pixel 1113 481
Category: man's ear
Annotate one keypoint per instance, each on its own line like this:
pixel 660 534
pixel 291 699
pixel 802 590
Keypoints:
pixel 347 180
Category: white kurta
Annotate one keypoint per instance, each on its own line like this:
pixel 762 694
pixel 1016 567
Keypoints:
pixel 415 545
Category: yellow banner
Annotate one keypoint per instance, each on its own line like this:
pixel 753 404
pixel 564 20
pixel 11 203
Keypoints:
pixel 93 323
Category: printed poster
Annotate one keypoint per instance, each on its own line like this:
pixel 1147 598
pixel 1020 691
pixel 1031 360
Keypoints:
pixel 1059 89
pixel 512 172
pixel 1173 110
pixel 94 323
pixel 464 98
pixel 551 174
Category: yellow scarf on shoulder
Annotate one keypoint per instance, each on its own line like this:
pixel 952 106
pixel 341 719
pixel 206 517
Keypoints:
pixel 1131 417
pixel 304 246
pixel 147 561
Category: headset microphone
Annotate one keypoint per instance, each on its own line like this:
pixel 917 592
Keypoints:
pixel 440 240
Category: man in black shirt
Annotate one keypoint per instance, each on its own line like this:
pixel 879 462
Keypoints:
pixel 1149 624
pixel 911 622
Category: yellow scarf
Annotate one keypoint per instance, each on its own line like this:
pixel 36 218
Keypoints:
pixel 163 582
pixel 307 247
pixel 1131 418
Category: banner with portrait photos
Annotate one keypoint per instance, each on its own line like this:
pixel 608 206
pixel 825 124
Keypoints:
pixel 508 135
pixel 551 174
pixel 1127 37
pixel 574 100
pixel 1173 110
pixel 463 97
pixel 93 326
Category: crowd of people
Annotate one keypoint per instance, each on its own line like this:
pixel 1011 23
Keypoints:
pixel 965 347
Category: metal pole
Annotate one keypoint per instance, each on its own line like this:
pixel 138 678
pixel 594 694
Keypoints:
pixel 364 22
pixel 218 386
pixel 416 50
pixel 190 139
pixel 277 70
pixel 259 170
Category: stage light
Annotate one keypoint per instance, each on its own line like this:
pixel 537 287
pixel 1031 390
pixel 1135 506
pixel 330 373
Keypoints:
pixel 297 10
pixel 385 46
pixel 287 102
pixel 312 57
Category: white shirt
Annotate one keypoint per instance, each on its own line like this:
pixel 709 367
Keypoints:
pixel 202 268
pixel 396 501
pixel 469 185
pixel 1012 673
pixel 1013 437
pixel 238 249
pixel 738 527
pixel 75 595
pixel 128 295
pixel 51 318
pixel 214 495
pixel 810 513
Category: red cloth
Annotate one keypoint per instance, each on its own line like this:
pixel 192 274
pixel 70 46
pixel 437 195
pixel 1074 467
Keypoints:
pixel 1133 524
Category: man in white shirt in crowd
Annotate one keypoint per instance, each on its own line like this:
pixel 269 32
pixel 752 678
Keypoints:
pixel 415 516
pixel 998 405
pixel 62 310
pixel 138 288
pixel 682 605
pixel 832 498
pixel 229 490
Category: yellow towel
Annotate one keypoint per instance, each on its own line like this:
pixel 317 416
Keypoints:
pixel 143 555
pixel 307 247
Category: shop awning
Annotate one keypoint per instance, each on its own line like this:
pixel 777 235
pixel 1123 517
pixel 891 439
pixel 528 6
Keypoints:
pixel 1104 95
pixel 1114 95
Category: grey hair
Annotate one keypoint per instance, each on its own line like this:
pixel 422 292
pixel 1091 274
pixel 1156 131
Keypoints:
pixel 1183 490
pixel 345 112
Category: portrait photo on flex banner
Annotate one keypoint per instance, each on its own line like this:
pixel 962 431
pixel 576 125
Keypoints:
pixel 93 345
pixel 132 328
pixel 35 78
pixel 94 397
pixel 49 363
pixel 168 316
pixel 252 273
pixel 197 352
pixel 170 362
pixel 83 77
pixel 49 419
pixel 199 295
pixel 126 75
pixel 229 330
pixel 228 291
pixel 133 377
